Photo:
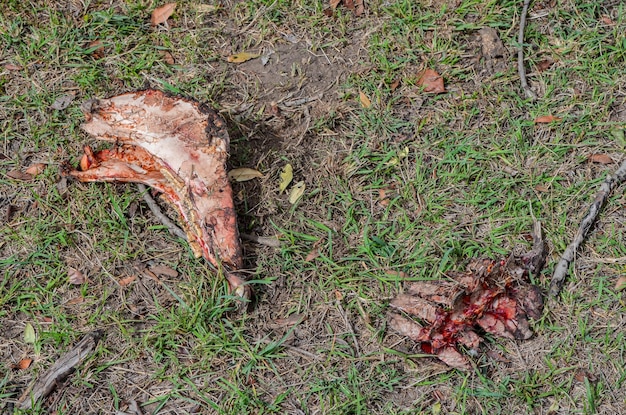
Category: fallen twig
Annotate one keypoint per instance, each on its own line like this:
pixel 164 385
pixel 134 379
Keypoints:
pixel 262 240
pixel 156 211
pixel 59 371
pixel 520 54
pixel 560 271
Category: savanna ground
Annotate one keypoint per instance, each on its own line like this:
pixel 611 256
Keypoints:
pixel 405 189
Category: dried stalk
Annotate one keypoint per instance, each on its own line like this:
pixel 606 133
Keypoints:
pixel 60 370
pixel 561 269
pixel 520 54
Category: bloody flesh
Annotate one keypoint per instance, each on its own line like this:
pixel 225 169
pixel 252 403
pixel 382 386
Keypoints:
pixel 179 148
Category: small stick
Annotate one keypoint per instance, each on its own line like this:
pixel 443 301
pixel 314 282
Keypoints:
pixel 520 54
pixel 175 230
pixel 156 210
pixel 60 370
pixel 261 240
pixel 560 271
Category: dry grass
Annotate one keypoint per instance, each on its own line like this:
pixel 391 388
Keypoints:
pixel 462 174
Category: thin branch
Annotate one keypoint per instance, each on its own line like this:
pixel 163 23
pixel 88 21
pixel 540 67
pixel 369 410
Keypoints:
pixel 561 269
pixel 175 230
pixel 520 54
pixel 261 240
pixel 156 210
pixel 60 370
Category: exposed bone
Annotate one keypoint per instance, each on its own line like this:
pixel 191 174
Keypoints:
pixel 179 148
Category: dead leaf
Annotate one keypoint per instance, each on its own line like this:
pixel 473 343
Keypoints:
pixel 328 12
pixel 62 102
pixel 98 49
pixel 600 158
pixel 23 364
pixel 383 197
pixel 167 57
pixel 394 85
pixel 76 300
pixel 286 176
pixel 296 192
pixel 360 7
pixel 75 277
pixel 334 4
pixel 393 273
pixel 243 174
pixel 19 175
pixel 290 321
pixel 29 334
pixel 544 65
pixel 164 271
pixel 161 14
pixel 312 255
pixel 582 374
pixel 620 284
pixel 35 169
pixel 431 82
pixel 365 101
pixel 349 4
pixel 607 20
pixel 207 8
pixel 242 57
pixel 545 119
pixel 12 67
pixel 542 188
pixel 127 280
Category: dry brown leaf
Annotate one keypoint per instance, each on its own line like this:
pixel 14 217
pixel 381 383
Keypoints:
pixel 328 12
pixel 76 300
pixel 582 374
pixel 35 169
pixel 545 119
pixel 23 364
pixel 394 85
pixel 12 67
pixel 349 4
pixel 19 175
pixel 243 174
pixel 75 277
pixel 242 57
pixel 312 255
pixel 393 273
pixel 607 20
pixel 544 65
pixel 360 7
pixel 431 81
pixel 290 321
pixel 365 101
pixel 542 188
pixel 334 4
pixel 164 270
pixel 600 158
pixel 167 57
pixel 126 281
pixel 620 284
pixel 161 14
pixel 98 49
pixel 62 102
